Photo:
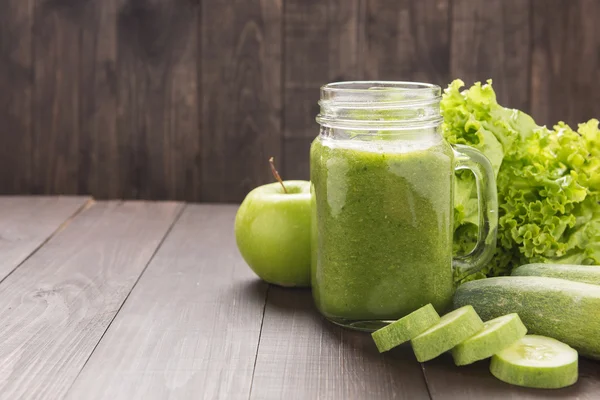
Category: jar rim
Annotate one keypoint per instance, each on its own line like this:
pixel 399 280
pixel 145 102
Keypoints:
pixel 367 86
pixel 397 105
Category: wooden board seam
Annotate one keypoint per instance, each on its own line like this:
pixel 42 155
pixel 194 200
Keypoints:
pixel 162 240
pixel 62 226
pixel 262 321
pixel 88 204
pixel 426 382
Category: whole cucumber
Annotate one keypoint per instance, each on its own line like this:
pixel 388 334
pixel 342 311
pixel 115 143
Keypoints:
pixel 564 310
pixel 570 272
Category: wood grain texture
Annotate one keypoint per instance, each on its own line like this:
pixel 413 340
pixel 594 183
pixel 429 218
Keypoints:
pixel 62 299
pixel 322 42
pixel 98 167
pixel 302 356
pixel 157 118
pixel 16 87
pixel 241 95
pixel 407 40
pixel 27 222
pixel 565 61
pixel 56 107
pixel 475 382
pixel 491 39
pixel 190 328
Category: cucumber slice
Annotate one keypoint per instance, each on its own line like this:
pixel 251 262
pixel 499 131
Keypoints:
pixel 452 329
pixel 405 328
pixel 536 362
pixel 496 335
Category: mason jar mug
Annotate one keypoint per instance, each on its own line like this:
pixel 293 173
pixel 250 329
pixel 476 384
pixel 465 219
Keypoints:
pixel 382 183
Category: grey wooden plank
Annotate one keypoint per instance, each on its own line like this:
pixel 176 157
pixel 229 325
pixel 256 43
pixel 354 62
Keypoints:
pixel 240 71
pixel 296 157
pixel 16 89
pixel 446 381
pixel 56 306
pixel 302 356
pixel 407 40
pixel 322 41
pixel 27 222
pixel 100 169
pixel 491 39
pixel 56 113
pixel 156 72
pixel 565 70
pixel 190 328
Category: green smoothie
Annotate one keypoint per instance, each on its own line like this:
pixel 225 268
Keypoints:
pixel 382 227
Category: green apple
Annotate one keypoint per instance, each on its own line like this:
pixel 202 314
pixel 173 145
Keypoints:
pixel 272 231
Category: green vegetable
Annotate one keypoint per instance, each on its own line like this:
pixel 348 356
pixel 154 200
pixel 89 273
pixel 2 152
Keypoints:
pixel 452 329
pixel 565 310
pixel 405 328
pixel 536 362
pixel 496 335
pixel 577 273
pixel 548 182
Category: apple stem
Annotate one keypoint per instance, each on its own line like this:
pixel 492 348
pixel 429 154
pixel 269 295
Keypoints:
pixel 276 174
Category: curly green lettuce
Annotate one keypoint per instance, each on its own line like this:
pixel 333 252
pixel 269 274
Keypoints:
pixel 548 181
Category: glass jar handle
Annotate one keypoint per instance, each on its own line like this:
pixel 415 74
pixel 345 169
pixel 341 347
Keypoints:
pixel 472 159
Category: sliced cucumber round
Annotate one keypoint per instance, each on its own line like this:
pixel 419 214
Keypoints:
pixel 405 328
pixel 536 362
pixel 452 329
pixel 496 335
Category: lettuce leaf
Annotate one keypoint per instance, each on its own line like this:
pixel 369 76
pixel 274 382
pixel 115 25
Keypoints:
pixel 548 181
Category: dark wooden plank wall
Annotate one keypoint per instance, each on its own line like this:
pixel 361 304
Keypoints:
pixel 186 99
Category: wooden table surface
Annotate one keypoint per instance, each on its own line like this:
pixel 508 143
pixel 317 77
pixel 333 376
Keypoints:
pixel 143 300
